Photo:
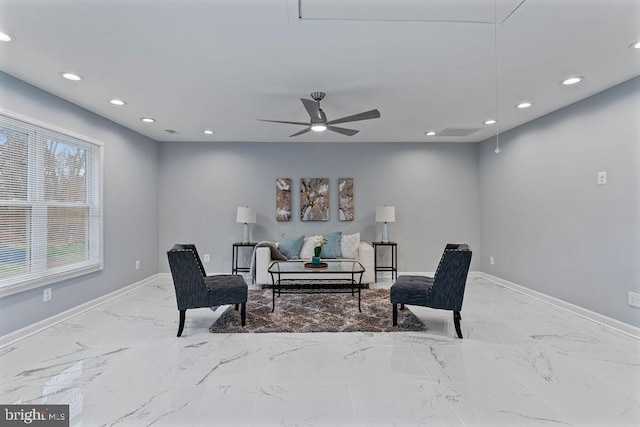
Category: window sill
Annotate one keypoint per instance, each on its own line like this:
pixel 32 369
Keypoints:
pixel 44 281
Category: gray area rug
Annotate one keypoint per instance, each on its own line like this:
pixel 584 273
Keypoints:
pixel 318 313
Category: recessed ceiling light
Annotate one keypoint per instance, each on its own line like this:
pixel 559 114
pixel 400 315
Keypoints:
pixel 209 132
pixel 72 76
pixel 4 37
pixel 572 80
pixel 117 102
pixel 430 133
pixel 319 127
pixel 148 120
pixel 635 45
pixel 524 105
pixel 490 122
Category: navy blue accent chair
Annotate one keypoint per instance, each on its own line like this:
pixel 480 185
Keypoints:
pixel 194 289
pixel 444 291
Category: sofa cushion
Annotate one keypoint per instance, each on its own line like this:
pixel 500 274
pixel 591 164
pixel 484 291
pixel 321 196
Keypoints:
pixel 331 249
pixel 290 246
pixel 349 245
pixel 307 248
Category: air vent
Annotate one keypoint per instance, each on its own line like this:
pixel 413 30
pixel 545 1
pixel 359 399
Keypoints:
pixel 457 131
pixel 171 131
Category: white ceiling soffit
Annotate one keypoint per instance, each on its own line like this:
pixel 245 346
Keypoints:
pixel 470 11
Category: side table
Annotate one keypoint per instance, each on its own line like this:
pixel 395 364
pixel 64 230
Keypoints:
pixel 235 268
pixel 393 268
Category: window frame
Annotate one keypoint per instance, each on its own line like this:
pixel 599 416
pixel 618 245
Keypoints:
pixel 40 132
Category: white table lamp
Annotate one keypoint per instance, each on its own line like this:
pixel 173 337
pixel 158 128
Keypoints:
pixel 385 214
pixel 246 216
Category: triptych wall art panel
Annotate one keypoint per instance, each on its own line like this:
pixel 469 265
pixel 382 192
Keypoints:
pixel 314 199
pixel 345 199
pixel 283 199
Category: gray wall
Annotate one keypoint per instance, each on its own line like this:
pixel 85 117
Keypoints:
pixel 548 224
pixel 130 206
pixel 434 189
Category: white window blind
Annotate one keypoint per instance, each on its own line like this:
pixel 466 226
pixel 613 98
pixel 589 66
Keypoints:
pixel 50 204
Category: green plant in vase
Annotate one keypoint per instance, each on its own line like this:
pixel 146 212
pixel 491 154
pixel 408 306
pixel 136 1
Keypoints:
pixel 318 241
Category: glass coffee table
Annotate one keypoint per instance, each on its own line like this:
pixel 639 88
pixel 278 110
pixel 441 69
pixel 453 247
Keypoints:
pixel 331 276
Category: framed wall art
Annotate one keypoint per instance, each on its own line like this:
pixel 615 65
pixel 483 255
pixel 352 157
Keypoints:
pixel 283 199
pixel 345 199
pixel 314 199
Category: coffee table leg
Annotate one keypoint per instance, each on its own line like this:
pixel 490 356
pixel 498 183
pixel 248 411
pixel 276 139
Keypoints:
pixel 273 305
pixel 359 309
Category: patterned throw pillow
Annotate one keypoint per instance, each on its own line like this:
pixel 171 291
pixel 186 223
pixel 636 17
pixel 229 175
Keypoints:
pixel 331 249
pixel 290 246
pixel 349 245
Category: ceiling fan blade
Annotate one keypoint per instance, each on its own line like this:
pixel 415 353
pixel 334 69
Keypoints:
pixel 301 132
pixel 348 132
pixel 312 108
pixel 371 114
pixel 282 121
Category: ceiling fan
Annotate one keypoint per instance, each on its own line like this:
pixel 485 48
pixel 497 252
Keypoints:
pixel 319 121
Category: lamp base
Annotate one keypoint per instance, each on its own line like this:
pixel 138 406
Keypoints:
pixel 245 233
pixel 385 233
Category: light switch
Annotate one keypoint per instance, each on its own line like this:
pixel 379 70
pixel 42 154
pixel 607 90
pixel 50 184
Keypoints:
pixel 602 178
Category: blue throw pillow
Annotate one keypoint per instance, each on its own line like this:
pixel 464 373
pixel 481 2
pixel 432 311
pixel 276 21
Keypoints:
pixel 290 246
pixel 331 249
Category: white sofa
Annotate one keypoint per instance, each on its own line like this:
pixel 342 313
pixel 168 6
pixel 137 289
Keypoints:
pixel 365 256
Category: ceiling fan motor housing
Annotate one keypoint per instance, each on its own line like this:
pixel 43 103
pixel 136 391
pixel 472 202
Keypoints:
pixel 317 96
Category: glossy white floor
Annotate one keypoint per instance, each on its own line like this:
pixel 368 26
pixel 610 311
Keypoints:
pixel 521 362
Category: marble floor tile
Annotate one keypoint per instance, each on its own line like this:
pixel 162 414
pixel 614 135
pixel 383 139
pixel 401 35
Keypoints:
pixel 405 405
pixel 522 362
pixel 303 405
pixel 500 404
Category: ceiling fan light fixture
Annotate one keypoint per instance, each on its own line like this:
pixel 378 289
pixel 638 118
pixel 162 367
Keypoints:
pixel 4 37
pixel 318 127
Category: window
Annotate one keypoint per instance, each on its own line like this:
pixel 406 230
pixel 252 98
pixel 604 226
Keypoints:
pixel 50 204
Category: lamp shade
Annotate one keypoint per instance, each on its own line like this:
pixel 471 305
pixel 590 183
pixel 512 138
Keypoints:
pixel 385 214
pixel 246 215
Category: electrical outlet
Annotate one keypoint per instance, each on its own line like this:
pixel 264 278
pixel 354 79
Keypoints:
pixel 491 260
pixel 206 258
pixel 46 295
pixel 634 299
pixel 602 178
pixel 138 264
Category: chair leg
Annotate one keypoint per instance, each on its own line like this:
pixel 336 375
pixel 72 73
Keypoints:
pixel 402 306
pixel 243 313
pixel 456 321
pixel 181 326
pixel 395 314
pixel 236 307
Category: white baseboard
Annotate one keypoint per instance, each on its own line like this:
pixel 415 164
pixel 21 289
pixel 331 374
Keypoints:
pixel 617 325
pixel 27 331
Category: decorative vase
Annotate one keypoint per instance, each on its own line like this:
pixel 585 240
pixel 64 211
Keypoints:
pixel 316 259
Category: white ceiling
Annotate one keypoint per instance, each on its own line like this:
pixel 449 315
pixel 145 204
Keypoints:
pixel 223 64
